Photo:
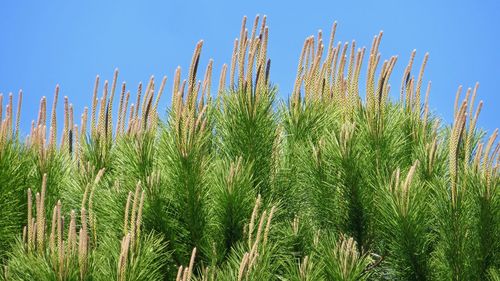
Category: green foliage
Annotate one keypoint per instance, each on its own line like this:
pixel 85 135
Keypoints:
pixel 404 226
pixel 230 205
pixel 249 187
pixel 186 182
pixel 342 260
pixel 33 266
pixel 14 168
pixel 246 127
pixel 144 264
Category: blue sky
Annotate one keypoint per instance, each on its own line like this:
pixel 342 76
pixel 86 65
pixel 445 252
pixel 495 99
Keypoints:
pixel 44 43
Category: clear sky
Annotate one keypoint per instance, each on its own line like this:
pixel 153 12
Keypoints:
pixel 43 43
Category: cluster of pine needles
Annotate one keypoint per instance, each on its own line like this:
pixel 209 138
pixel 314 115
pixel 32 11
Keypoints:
pixel 237 184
